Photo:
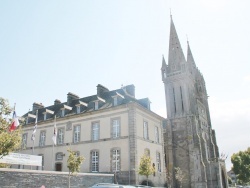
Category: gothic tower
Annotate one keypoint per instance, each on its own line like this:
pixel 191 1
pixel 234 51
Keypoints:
pixel 190 139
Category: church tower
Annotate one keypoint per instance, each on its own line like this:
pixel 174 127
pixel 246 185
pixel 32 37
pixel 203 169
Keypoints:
pixel 190 139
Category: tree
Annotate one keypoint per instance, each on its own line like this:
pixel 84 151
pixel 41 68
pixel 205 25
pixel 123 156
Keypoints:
pixel 74 163
pixel 169 178
pixel 179 176
pixel 241 166
pixel 9 141
pixel 145 167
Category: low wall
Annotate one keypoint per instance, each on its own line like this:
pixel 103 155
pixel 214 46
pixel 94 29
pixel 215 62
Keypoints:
pixel 19 178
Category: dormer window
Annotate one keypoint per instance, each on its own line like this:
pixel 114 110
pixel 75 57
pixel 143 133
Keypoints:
pixel 44 116
pixel 63 112
pixel 116 97
pixel 115 100
pixel 96 105
pixel 78 109
pixel 65 107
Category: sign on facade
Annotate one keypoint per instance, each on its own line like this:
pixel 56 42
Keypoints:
pixel 22 159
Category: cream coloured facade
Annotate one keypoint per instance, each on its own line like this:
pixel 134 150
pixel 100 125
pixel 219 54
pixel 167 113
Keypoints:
pixel 112 130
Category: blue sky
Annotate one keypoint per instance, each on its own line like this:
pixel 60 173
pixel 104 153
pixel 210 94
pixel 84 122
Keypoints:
pixel 50 48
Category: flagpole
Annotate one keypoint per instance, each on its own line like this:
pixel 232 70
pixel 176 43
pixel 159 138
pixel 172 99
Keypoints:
pixel 33 150
pixel 53 157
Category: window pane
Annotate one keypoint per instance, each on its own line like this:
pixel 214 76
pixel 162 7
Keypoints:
pixel 115 128
pixel 115 160
pixel 94 161
pixel 95 131
pixel 145 130
pixel 77 133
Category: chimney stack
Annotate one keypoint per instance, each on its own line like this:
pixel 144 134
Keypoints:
pixel 57 102
pixel 71 96
pixel 37 106
pixel 101 89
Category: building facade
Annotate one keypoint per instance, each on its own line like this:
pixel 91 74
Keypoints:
pixel 111 129
pixel 190 141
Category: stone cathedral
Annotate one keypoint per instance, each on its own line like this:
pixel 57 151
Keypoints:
pixel 190 141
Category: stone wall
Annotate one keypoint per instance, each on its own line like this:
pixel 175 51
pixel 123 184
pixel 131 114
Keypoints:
pixel 19 178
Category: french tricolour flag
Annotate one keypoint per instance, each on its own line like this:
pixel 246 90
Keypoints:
pixel 15 122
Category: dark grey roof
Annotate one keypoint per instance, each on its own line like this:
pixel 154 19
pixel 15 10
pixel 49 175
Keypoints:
pixel 123 97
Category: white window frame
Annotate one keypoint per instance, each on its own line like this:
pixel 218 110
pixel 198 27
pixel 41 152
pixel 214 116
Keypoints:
pixel 145 130
pixel 96 105
pixel 60 136
pixel 77 132
pixel 44 116
pixel 116 160
pixel 115 100
pixel 157 140
pixel 94 161
pixel 59 156
pixel 42 138
pixel 158 161
pixel 78 109
pixel 116 128
pixel 62 112
pixel 95 131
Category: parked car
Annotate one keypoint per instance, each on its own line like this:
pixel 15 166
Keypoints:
pixel 111 185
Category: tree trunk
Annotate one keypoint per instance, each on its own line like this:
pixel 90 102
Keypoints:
pixel 147 180
pixel 69 179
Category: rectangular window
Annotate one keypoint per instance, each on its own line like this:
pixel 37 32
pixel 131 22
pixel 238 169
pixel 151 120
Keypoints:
pixel 158 161
pixel 145 130
pixel 63 112
pixel 42 138
pixel 115 128
pixel 44 116
pixel 96 105
pixel 78 108
pixel 77 130
pixel 60 136
pixel 115 160
pixel 115 101
pixel 94 161
pixel 24 141
pixel 156 134
pixel 59 156
pixel 95 131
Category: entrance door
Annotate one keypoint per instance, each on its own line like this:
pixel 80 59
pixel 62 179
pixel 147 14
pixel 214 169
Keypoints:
pixel 59 167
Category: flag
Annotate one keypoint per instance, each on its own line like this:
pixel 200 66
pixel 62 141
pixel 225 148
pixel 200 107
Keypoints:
pixel 55 133
pixel 35 127
pixel 15 122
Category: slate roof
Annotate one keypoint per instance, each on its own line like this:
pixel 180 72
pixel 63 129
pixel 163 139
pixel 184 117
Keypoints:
pixel 105 100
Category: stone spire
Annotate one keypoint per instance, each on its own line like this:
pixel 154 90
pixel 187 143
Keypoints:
pixel 190 59
pixel 163 62
pixel 175 55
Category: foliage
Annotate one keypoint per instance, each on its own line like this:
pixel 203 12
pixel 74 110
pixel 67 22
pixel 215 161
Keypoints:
pixel 179 176
pixel 145 167
pixel 9 141
pixel 241 166
pixel 74 163
pixel 169 178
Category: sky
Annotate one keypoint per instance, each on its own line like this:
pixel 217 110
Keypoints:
pixel 50 48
